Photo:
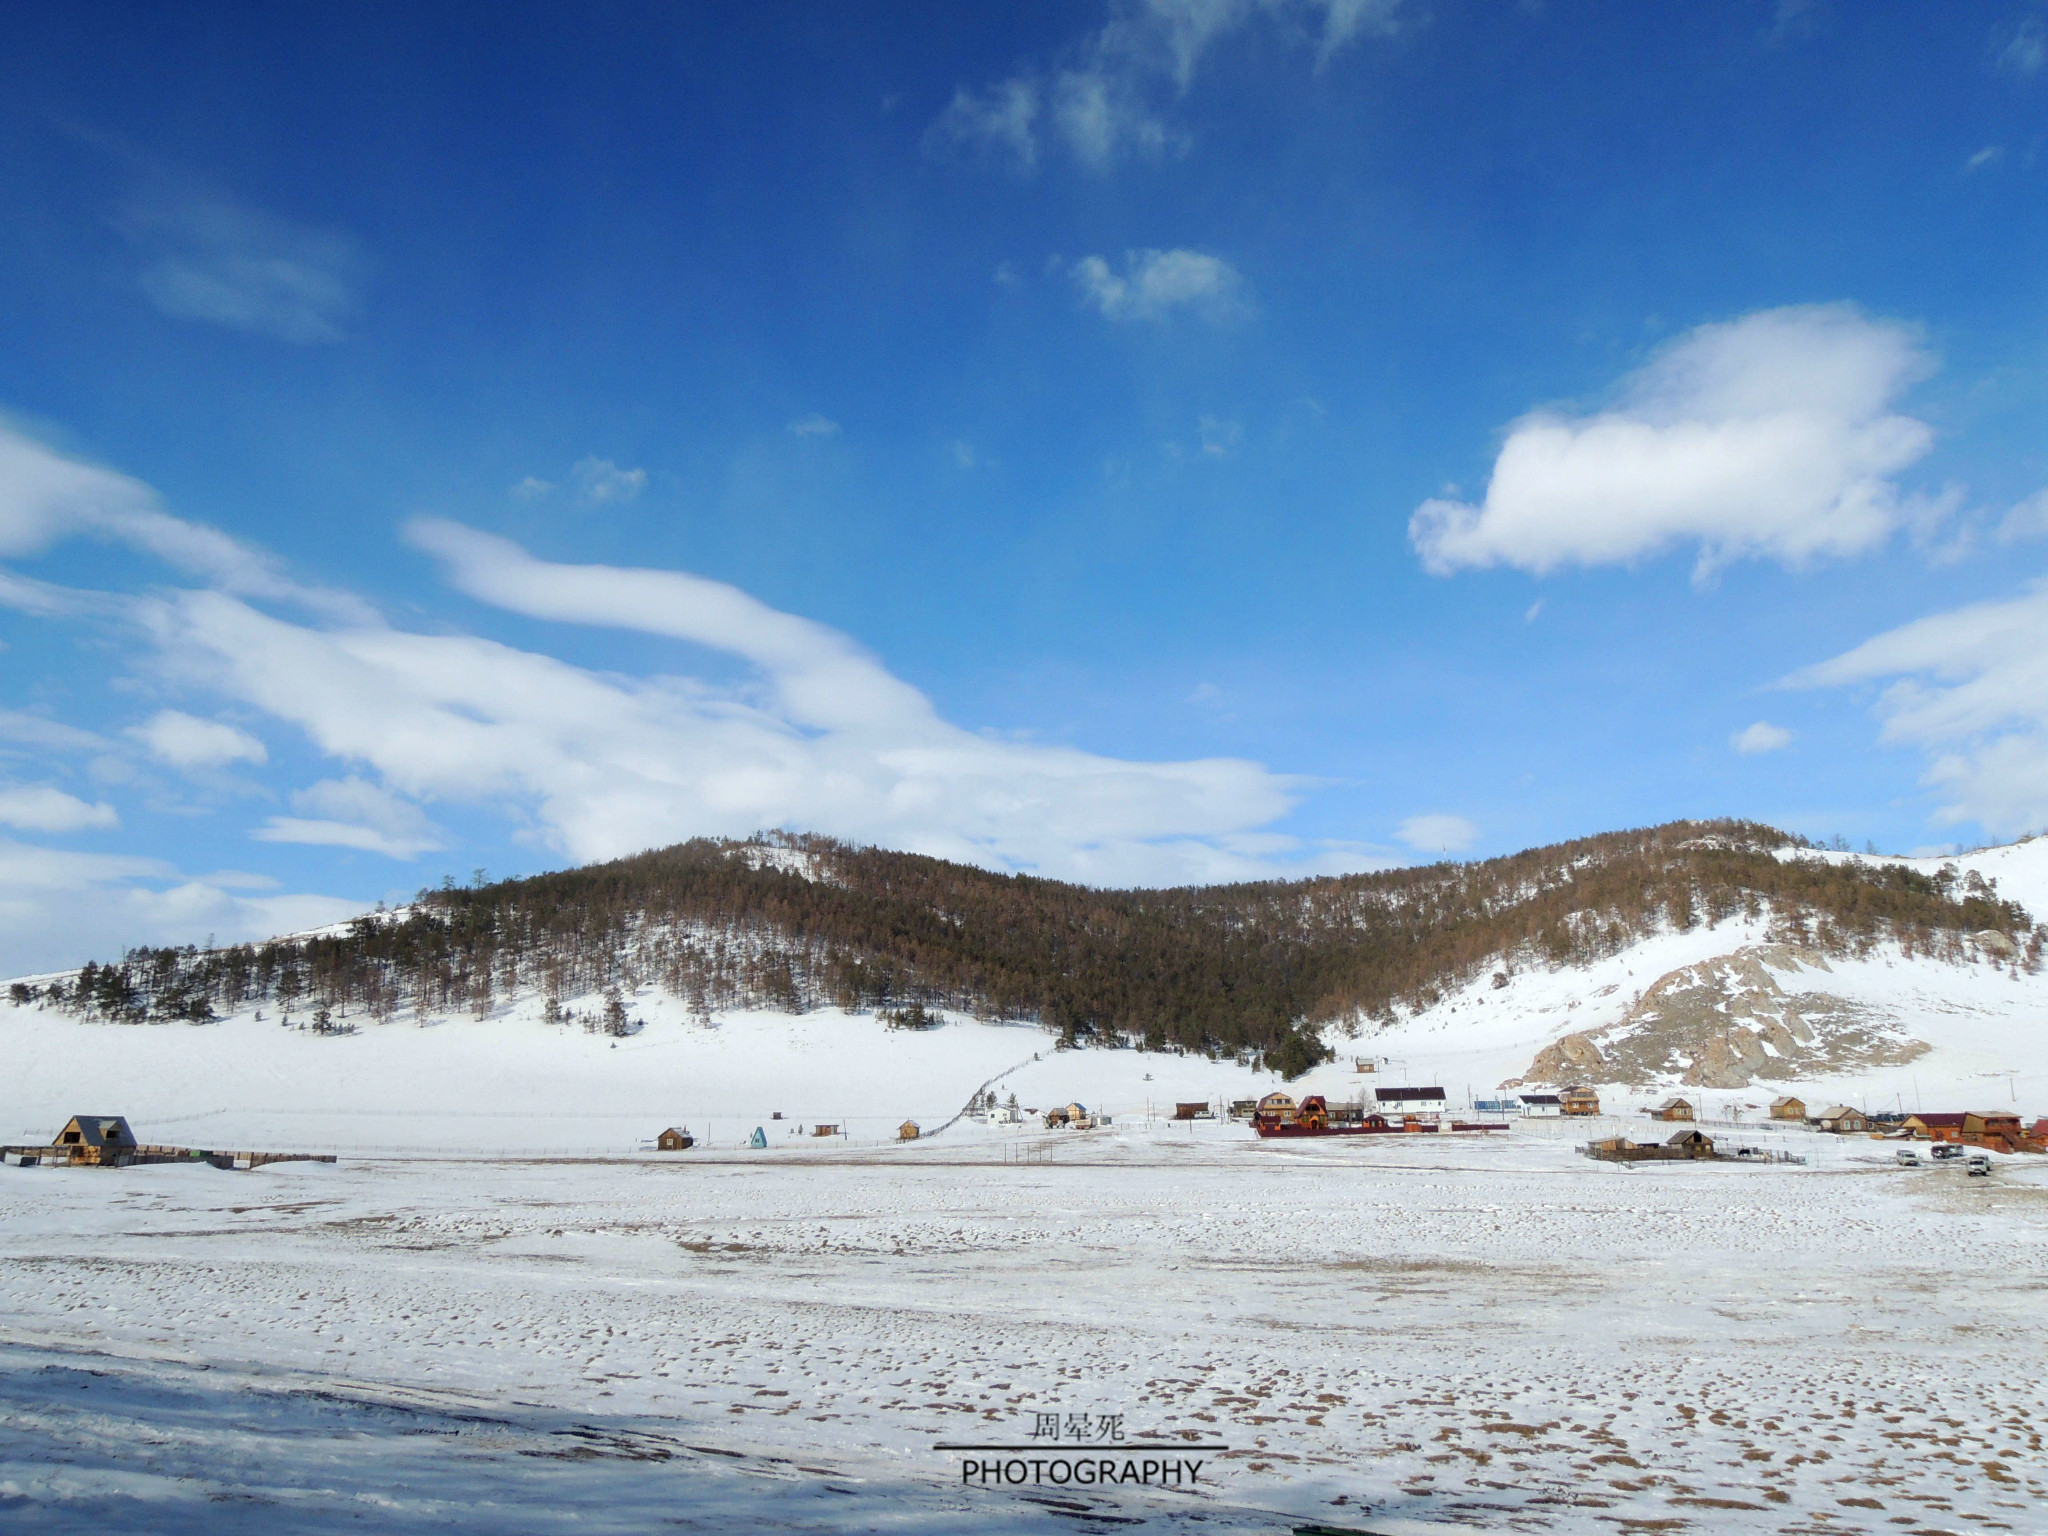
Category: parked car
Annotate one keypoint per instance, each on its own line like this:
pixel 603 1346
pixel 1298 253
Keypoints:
pixel 1978 1166
pixel 1908 1158
pixel 1945 1150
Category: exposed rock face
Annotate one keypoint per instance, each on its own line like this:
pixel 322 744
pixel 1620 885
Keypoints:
pixel 1728 1022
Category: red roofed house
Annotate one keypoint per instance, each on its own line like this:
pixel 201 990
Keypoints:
pixel 1936 1126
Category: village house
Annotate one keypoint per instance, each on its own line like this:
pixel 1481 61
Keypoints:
pixel 907 1131
pixel 1578 1101
pixel 674 1140
pixel 1406 1101
pixel 1276 1108
pixel 1993 1128
pixel 102 1141
pixel 1541 1106
pixel 1788 1108
pixel 1187 1111
pixel 1935 1125
pixel 1841 1120
pixel 1672 1109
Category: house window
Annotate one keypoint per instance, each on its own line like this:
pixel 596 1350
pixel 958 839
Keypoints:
pixel 71 1137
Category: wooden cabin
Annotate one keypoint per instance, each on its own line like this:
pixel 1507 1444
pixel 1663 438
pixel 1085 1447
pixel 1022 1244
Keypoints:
pixel 1578 1101
pixel 1692 1142
pixel 1184 1111
pixel 1841 1120
pixel 1788 1108
pixel 100 1141
pixel 1275 1108
pixel 824 1130
pixel 674 1140
pixel 1993 1128
pixel 1673 1109
pixel 1936 1125
pixel 907 1131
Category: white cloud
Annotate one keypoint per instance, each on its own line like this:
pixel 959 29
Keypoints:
pixel 38 808
pixel 1760 737
pixel 814 425
pixel 1437 833
pixel 60 908
pixel 186 741
pixel 37 731
pixel 823 738
pixel 354 813
pixel 1153 284
pixel 1970 688
pixel 532 488
pixel 601 481
pixel 1990 154
pixel 208 257
pixel 46 496
pixel 1769 436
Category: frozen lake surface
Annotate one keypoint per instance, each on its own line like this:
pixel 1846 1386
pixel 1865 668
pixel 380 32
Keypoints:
pixel 1400 1334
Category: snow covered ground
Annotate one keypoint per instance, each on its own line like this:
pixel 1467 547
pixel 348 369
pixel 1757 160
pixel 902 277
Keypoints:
pixel 1400 1334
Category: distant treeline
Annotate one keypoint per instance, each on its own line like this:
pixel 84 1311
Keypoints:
pixel 795 922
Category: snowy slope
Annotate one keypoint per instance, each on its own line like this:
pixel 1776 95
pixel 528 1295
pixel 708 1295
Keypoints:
pixel 512 1082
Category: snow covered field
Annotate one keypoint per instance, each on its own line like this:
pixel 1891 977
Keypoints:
pixel 1395 1335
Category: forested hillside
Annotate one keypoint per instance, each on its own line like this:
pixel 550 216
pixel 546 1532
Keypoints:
pixel 797 922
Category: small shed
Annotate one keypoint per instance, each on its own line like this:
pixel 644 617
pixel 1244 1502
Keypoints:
pixel 907 1131
pixel 1788 1108
pixel 759 1140
pixel 98 1140
pixel 1841 1120
pixel 1674 1109
pixel 1541 1106
pixel 1692 1142
pixel 674 1139
pixel 822 1129
pixel 1184 1111
pixel 1578 1101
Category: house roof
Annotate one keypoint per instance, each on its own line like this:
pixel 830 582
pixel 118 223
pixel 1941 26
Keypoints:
pixel 1539 1098
pixel 675 1130
pixel 1837 1111
pixel 1690 1134
pixel 1387 1095
pixel 1674 1102
pixel 1787 1099
pixel 99 1130
pixel 1938 1117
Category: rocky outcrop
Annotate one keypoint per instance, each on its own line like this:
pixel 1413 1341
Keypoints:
pixel 1730 1022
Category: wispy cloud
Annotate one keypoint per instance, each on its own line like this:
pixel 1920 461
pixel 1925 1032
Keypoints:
pixel 1438 833
pixel 354 813
pixel 2026 50
pixel 1771 436
pixel 532 488
pixel 46 496
pixel 207 256
pixel 814 425
pixel 1970 688
pixel 1990 154
pixel 52 735
pixel 1108 93
pixel 602 481
pixel 1154 284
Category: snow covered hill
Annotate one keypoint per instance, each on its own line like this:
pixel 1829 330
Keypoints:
pixel 1725 1010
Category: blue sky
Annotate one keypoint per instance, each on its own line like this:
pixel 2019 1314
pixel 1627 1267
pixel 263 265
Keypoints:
pixel 1139 442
